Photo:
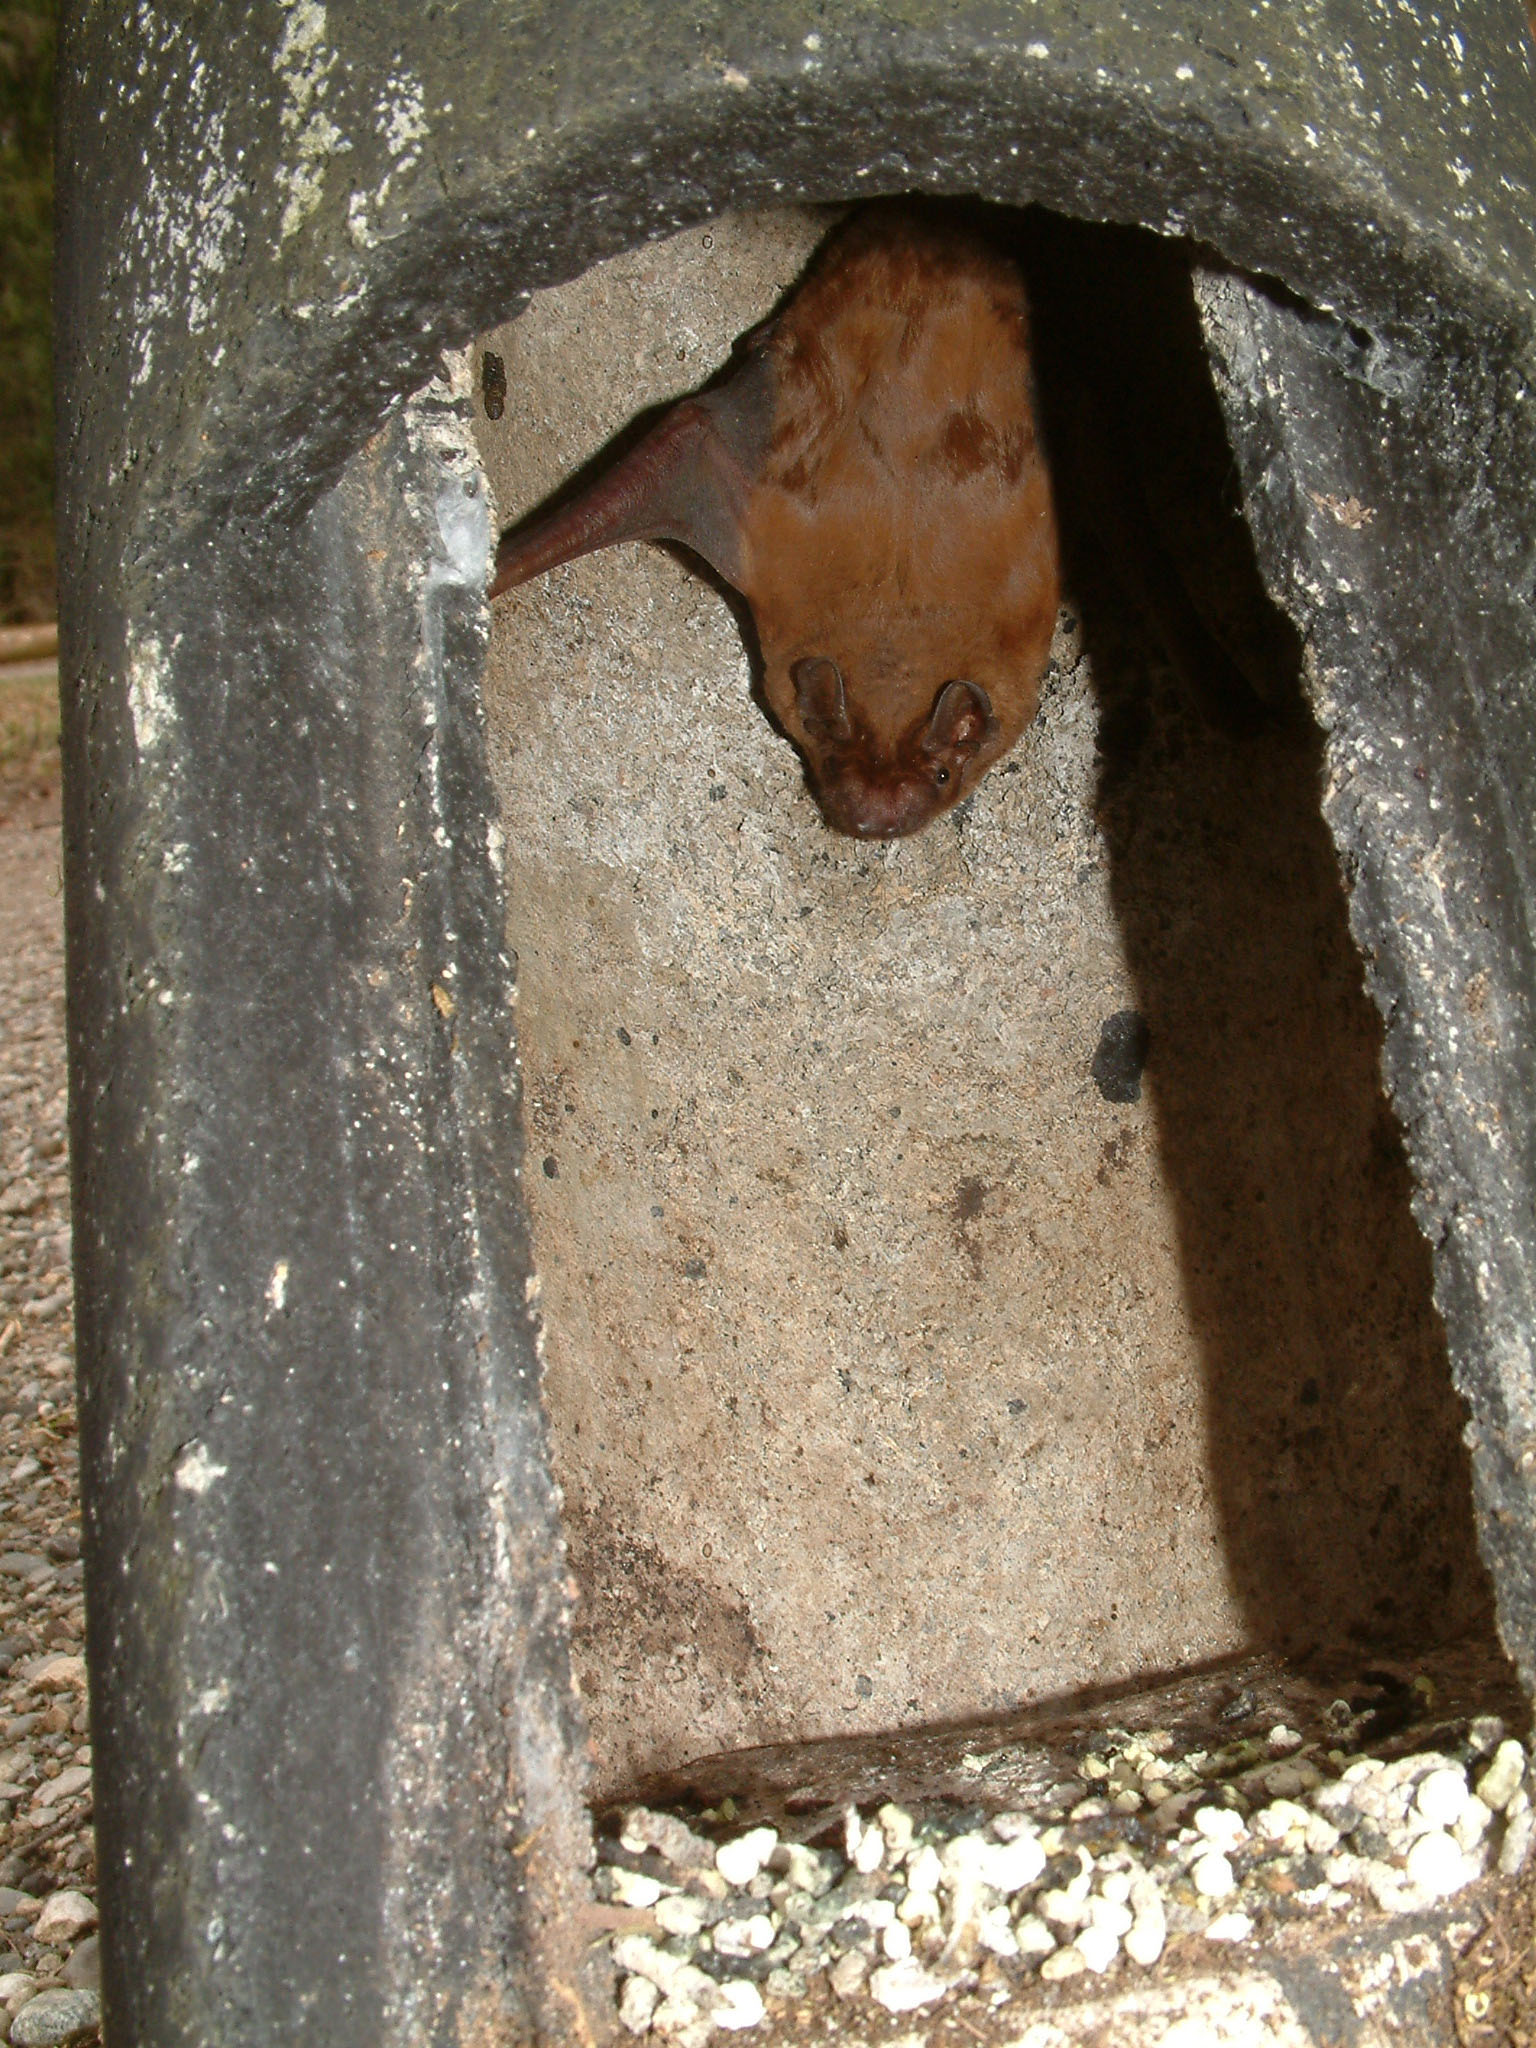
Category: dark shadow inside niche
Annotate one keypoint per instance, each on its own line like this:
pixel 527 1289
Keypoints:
pixel 1344 1488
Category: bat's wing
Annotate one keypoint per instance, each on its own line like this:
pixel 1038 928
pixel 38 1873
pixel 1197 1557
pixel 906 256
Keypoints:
pixel 687 480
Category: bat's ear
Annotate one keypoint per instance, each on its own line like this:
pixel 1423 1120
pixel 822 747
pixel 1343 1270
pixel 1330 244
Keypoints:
pixel 962 719
pixel 688 479
pixel 819 693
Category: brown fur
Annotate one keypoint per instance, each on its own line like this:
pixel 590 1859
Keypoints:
pixel 902 525
pixel 870 479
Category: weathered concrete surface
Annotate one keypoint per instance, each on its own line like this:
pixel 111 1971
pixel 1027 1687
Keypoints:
pixel 895 1374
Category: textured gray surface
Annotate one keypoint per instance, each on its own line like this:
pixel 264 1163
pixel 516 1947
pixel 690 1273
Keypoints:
pixel 254 833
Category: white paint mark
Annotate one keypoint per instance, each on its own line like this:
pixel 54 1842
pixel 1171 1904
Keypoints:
pixel 197 1472
pixel 277 1287
pixel 149 702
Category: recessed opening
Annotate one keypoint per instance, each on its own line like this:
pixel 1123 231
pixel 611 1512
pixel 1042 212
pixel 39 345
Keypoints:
pixel 912 1358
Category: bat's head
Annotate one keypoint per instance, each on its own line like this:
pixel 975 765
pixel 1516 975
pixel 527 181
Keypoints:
pixel 875 784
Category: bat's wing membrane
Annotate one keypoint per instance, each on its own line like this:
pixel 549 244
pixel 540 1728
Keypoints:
pixel 687 480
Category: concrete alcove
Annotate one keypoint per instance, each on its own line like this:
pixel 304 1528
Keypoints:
pixel 895 1375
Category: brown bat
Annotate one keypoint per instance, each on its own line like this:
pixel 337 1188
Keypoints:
pixel 868 474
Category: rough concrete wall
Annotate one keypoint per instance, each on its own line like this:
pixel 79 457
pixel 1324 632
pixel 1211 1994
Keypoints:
pixel 894 1373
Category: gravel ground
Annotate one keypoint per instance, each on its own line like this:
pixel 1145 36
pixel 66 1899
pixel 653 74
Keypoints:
pixel 47 1850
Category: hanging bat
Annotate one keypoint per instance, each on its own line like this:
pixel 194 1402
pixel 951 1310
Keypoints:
pixel 868 474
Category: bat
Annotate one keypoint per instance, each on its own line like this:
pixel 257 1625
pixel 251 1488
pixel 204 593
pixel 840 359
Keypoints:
pixel 868 473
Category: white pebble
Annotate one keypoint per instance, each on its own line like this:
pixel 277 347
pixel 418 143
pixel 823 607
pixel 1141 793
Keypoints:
pixel 1436 1866
pixel 1499 1783
pixel 1221 1826
pixel 1320 1836
pixel 1212 1876
pixel 738 1862
pixel 1063 1908
pixel 906 1986
pixel 868 1852
pixel 679 1913
pixel 1275 1821
pixel 1441 1797
pixel 848 1973
pixel 1032 1935
pixel 1473 1824
pixel 808 1870
pixel 1229 1927
pixel 632 1889
pixel 637 2004
pixel 896 1941
pixel 1115 1885
pixel 1148 1933
pixel 738 2003
pixel 1006 1866
pixel 1065 1962
pixel 1516 1844
pixel 896 1827
pixel 1283 1740
pixel 1111 1914
pixel 743 1937
pixel 995 1933
pixel 924 1870
pixel 1097 1947
pixel 918 1908
pixel 1009 1826
pixel 679 2015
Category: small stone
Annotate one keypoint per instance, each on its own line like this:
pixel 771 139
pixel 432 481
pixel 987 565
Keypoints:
pixel 1284 1781
pixel 1442 1797
pixel 1008 1827
pixel 906 1986
pixel 1007 1867
pixel 630 1888
pixel 1212 1876
pixel 1229 1927
pixel 739 1861
pixel 1472 1824
pixel 1283 1740
pixel 679 1913
pixel 683 2019
pixel 1110 1914
pixel 1516 1844
pixel 672 1838
pixel 809 1870
pixel 1063 1963
pixel 738 2003
pixel 896 1825
pixel 65 1917
pixel 848 1973
pixel 1499 1783
pixel 638 2000
pixel 16 1987
pixel 896 1941
pixel 1221 1826
pixel 1436 1866
pixel 1097 1946
pixel 1032 1936
pixel 868 1854
pixel 82 1972
pixel 1320 1837
pixel 54 2019
pixel 994 1933
pixel 1274 1822
pixel 1148 1934
pixel 743 1937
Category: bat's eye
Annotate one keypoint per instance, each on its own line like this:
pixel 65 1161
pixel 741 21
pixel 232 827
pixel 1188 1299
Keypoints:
pixel 941 776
